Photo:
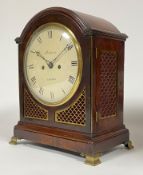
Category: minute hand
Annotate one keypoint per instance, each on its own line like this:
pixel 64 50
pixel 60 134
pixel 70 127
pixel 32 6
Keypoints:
pixel 58 56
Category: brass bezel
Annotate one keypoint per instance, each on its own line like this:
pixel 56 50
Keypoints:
pixel 80 65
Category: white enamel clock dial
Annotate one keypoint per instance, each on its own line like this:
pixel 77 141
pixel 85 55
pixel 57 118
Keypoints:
pixel 53 64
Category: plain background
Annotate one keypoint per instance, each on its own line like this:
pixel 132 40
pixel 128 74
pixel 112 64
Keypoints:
pixel 30 159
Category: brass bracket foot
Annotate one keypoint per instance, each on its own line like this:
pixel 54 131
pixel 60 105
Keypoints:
pixel 92 160
pixel 129 145
pixel 13 140
pixel 82 154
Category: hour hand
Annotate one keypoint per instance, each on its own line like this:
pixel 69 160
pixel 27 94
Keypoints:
pixel 39 55
pixel 49 63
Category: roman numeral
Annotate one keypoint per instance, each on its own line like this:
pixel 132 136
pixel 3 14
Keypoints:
pixel 70 46
pixel 60 38
pixel 31 66
pixel 33 79
pixel 71 79
pixel 50 34
pixel 63 91
pixel 52 95
pixel 39 40
pixel 41 91
pixel 74 63
pixel 32 51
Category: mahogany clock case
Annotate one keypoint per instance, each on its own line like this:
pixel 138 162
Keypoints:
pixel 92 120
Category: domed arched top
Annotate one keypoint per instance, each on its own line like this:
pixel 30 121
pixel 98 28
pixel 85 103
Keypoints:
pixel 93 23
pixel 87 24
pixel 98 24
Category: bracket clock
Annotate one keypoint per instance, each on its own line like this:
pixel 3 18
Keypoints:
pixel 71 71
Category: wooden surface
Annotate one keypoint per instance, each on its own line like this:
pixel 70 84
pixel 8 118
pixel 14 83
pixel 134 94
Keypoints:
pixel 72 141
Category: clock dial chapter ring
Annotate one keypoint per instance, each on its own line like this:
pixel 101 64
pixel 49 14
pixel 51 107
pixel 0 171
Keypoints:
pixel 56 84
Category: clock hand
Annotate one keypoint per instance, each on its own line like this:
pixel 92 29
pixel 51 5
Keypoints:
pixel 47 61
pixel 58 56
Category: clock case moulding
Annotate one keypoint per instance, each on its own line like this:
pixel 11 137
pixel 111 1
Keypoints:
pixel 98 134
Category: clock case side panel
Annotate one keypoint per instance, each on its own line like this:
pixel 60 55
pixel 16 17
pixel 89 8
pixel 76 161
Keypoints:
pixel 101 126
pixel 81 32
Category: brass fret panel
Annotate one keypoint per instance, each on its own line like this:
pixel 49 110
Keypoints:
pixel 108 84
pixel 75 113
pixel 33 110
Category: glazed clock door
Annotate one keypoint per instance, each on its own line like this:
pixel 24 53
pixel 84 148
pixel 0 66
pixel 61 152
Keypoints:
pixel 53 64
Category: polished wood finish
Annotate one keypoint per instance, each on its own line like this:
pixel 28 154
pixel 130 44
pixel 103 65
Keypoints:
pixel 70 140
pixel 94 35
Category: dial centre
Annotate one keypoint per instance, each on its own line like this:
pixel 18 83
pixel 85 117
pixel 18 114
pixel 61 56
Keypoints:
pixel 50 65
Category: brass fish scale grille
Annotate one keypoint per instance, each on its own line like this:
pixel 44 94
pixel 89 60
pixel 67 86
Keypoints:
pixel 33 110
pixel 108 84
pixel 74 114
